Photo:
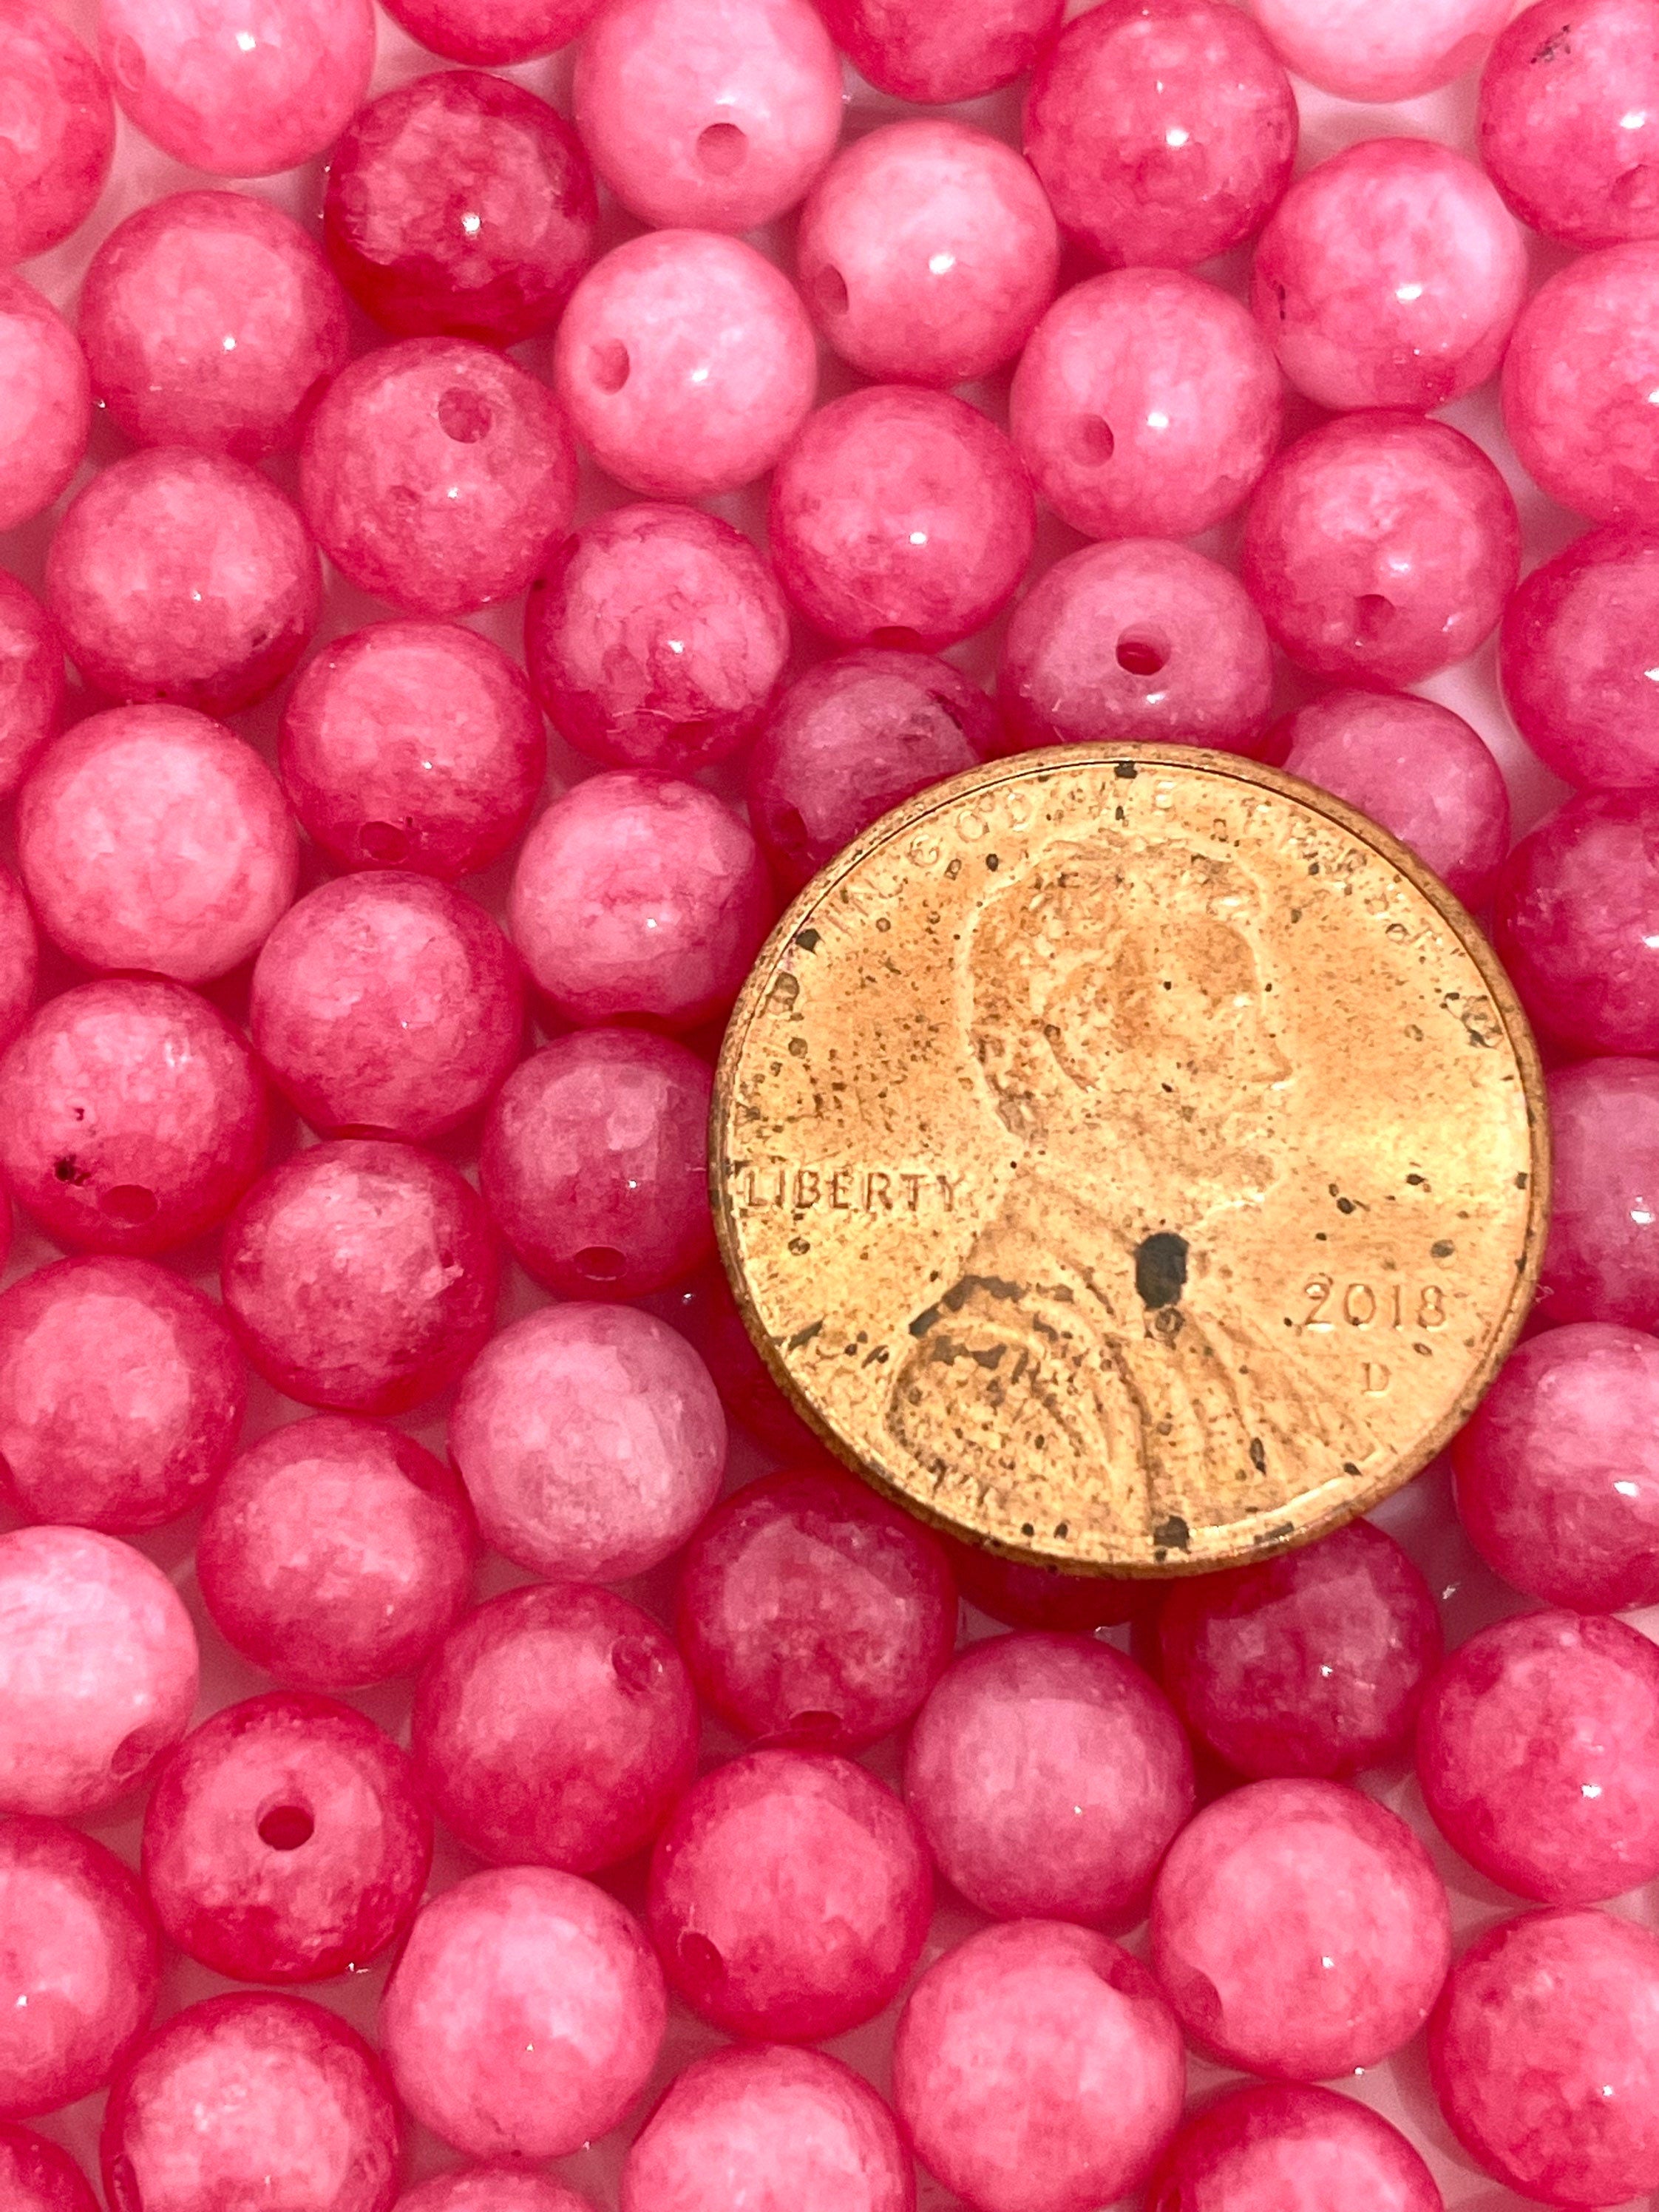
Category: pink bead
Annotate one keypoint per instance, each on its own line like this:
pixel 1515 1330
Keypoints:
pixel 360 1274
pixel 59 131
pixel 1136 639
pixel 241 90
pixel 336 1554
pixel 1023 1596
pixel 1572 923
pixel 686 363
pixel 1287 2148
pixel 811 1611
pixel 852 737
pixel 656 639
pixel 82 1967
pixel 918 50
pixel 1390 276
pixel 413 744
pixel 1380 548
pixel 1361 51
pixel 253 2097
pixel 790 1894
pixel 1147 404
pixel 36 2176
pixel 492 2188
pixel 709 1313
pixel 1601 1262
pixel 285 1841
pixel 436 474
pixel 594 1164
pixel 1569 124
pixel 73 1739
pixel 774 2129
pixel 900 518
pixel 1545 2060
pixel 715 114
pixel 45 402
pixel 1163 130
pixel 1037 2069
pixel 1417 768
pixel 637 897
pixel 31 680
pixel 20 958
pixel 388 1002
pixel 524 2014
pixel 490 32
pixel 1583 359
pixel 1573 655
pixel 556 1725
pixel 133 1117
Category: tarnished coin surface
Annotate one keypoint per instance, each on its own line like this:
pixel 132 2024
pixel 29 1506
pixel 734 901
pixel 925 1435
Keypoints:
pixel 1132 1160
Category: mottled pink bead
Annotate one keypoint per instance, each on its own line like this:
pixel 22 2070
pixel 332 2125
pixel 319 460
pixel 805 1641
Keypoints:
pixel 336 1554
pixel 524 2014
pixel 1380 548
pixel 20 958
pixel 285 1840
pixel 1362 50
pixel 1147 404
pixel 1574 925
pixel 1574 654
pixel 413 744
pixel 57 131
pixel 1569 120
pixel 492 2188
pixel 556 1725
pixel 1140 638
pixel 1163 130
pixel 686 362
pixel 249 2097
pixel 1601 1262
pixel 591 1441
pixel 45 402
pixel 594 1164
pixel 707 1311
pixel 1577 377
pixel 240 87
pixel 36 2176
pixel 1021 1596
pixel 132 1117
pixel 1545 2054
pixel 360 1274
pixel 31 680
pixel 640 897
pixel 919 51
pixel 73 1739
pixel 1286 2147
pixel 1037 2069
pixel 490 32
pixel 436 474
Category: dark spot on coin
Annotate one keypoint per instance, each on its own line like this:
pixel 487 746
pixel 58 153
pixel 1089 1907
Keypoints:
pixel 1442 1250
pixel 1258 1455
pixel 1173 1534
pixel 1161 1269
pixel 807 939
pixel 1126 770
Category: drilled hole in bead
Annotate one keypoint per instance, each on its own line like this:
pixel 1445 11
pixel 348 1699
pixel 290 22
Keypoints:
pixel 829 289
pixel 1143 652
pixel 128 1202
pixel 1637 189
pixel 608 364
pixel 722 149
pixel 690 737
pixel 633 1663
pixel 898 640
pixel 464 416
pixel 699 1960
pixel 600 1263
pixel 1371 616
pixel 383 841
pixel 125 2195
pixel 285 1828
pixel 816 1727
pixel 1093 441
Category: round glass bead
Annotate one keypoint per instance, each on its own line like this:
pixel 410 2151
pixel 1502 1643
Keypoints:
pixel 1584 358
pixel 60 131
pixel 1573 923
pixel 1601 1262
pixel 1569 125
pixel 46 402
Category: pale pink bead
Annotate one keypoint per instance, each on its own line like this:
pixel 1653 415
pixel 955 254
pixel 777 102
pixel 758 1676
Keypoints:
pixel 73 1739
pixel 45 402
pixel 1569 124
pixel 31 680
pixel 900 518
pixel 524 2014
pixel 388 1002
pixel 36 2176
pixel 1380 548
pixel 1602 1263
pixel 1577 377
pixel 639 897
pixel 132 1117
pixel 489 33
pixel 1037 2069
pixel 1025 1596
pixel 1390 276
pixel 1285 2147
pixel 715 114
pixel 1139 638
pixel 1574 654
pixel 1394 51
pixel 1300 1931
pixel 1417 768
pixel 1574 924
pixel 240 87
pixel 1545 2057
pixel 336 1554
pixel 1146 405
pixel 591 1441
pixel 413 744
pixel 60 131
pixel 150 837
pixel 436 473
pixel 20 958
pixel 926 251
pixel 492 2188
pixel 686 363
pixel 919 51
pixel 1163 130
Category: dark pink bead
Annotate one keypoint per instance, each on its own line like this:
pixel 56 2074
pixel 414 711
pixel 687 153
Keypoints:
pixel 1602 1263
pixel 60 131
pixel 1545 2060
pixel 413 744
pixel 360 1274
pixel 918 50
pixel 1363 51
pixel 36 2176
pixel 211 319
pixel 1574 654
pixel 388 1002
pixel 1584 358
pixel 1024 1597
pixel 492 2188
pixel 435 474
pixel 20 958
pixel 45 402
pixel 490 32
pixel 1289 2148
pixel 591 1441
pixel 686 362
pixel 556 1725
pixel 285 1840
pixel 1569 124
pixel 31 680
pixel 1163 130
pixel 594 1164
pixel 747 1390
pixel 524 2014
pixel 249 2097
pixel 1300 1931
pixel 73 1739
pixel 1380 548
pixel 336 1554
pixel 1574 925
pixel 1037 2069
pixel 462 204
pixel 1137 639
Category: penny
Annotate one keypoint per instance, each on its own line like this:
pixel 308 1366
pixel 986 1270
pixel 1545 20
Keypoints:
pixel 1132 1160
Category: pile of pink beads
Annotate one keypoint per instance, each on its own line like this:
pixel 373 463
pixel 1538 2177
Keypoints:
pixel 386 1612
